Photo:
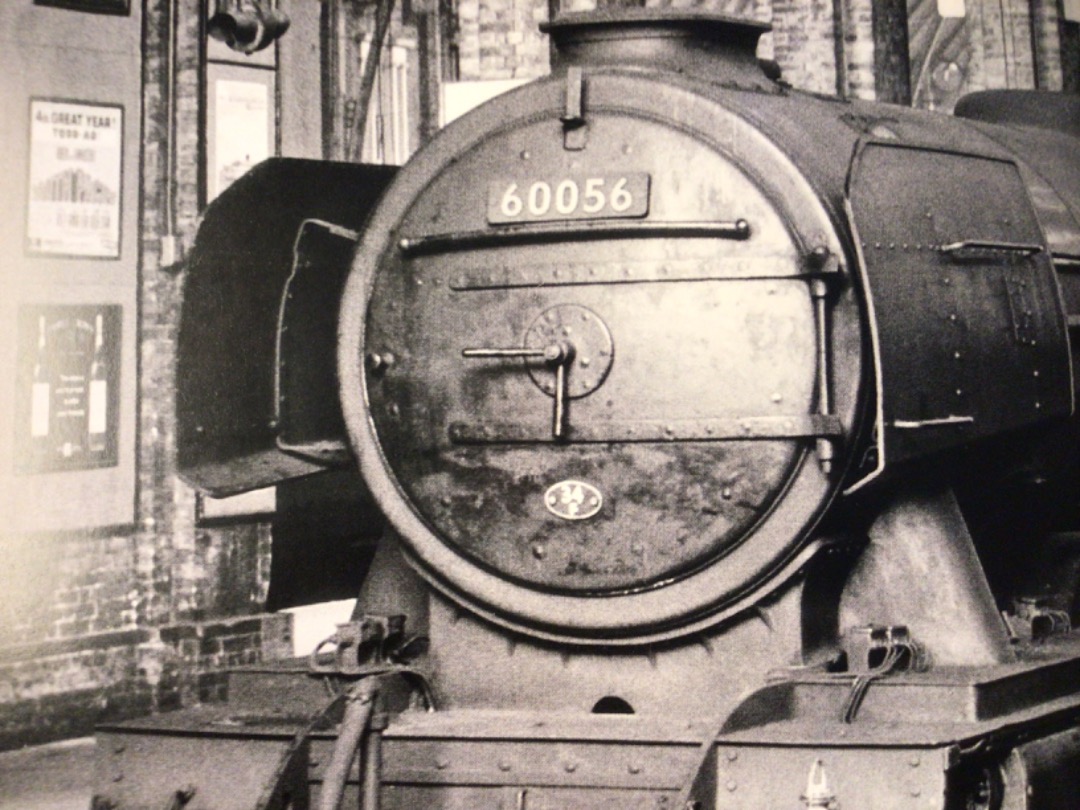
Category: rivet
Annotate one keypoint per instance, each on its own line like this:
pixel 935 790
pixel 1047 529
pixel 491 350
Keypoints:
pixel 952 316
pixel 442 764
pixel 504 766
pixel 915 792
pixel 538 550
pixel 956 355
pixel 633 767
pixel 570 767
pixel 777 397
pixel 525 154
pixel 731 785
pixel 585 361
pixel 959 392
pixel 732 756
pixel 726 493
pixel 915 761
pixel 119 748
pixel 1035 373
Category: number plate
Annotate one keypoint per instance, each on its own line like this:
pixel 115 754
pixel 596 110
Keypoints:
pixel 604 196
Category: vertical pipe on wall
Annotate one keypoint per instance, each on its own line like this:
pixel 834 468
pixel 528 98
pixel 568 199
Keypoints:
pixel 840 33
pixel 429 45
pixel 168 239
pixel 892 61
pixel 383 12
pixel 1046 46
pixel 1069 36
pixel 328 71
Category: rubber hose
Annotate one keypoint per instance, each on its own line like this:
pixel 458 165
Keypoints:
pixel 353 725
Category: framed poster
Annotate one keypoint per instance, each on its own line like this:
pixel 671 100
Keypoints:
pixel 67 387
pixel 241 125
pixel 76 154
pixel 122 7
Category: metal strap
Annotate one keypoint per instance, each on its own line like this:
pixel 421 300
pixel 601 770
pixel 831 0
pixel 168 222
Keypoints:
pixel 682 430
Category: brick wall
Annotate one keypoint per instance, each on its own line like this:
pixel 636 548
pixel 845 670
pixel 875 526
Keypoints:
pixel 78 645
pixel 500 39
pixel 88 634
pixel 111 623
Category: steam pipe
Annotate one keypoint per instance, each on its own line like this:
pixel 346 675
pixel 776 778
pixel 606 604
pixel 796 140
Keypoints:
pixel 358 709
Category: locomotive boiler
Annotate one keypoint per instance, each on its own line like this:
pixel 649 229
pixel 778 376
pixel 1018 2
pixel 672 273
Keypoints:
pixel 724 434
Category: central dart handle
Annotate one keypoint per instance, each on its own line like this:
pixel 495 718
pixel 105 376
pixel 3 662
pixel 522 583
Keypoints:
pixel 557 355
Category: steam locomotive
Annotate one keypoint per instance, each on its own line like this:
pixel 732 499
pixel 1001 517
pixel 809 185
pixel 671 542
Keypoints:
pixel 724 434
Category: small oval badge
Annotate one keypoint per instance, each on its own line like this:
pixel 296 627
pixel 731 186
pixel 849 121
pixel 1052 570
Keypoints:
pixel 573 500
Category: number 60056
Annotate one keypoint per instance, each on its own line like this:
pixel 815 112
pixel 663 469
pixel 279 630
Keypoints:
pixel 597 197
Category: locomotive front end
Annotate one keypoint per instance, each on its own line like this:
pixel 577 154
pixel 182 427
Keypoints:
pixel 664 376
pixel 600 355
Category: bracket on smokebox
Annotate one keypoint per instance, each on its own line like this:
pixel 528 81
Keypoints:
pixel 370 645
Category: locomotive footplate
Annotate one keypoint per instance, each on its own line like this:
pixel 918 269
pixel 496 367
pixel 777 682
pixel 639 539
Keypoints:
pixel 998 738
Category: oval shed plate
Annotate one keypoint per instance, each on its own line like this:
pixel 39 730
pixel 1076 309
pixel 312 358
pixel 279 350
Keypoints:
pixel 573 500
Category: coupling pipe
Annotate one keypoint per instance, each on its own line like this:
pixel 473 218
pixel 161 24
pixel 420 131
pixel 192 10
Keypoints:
pixel 359 706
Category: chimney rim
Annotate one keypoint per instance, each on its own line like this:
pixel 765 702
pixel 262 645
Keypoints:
pixel 678 21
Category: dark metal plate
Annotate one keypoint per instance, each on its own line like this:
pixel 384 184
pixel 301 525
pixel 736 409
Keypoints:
pixel 969 333
pixel 236 275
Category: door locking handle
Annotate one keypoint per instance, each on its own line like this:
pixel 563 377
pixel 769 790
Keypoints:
pixel 558 355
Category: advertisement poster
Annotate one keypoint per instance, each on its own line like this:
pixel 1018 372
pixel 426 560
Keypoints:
pixel 74 183
pixel 242 130
pixel 67 391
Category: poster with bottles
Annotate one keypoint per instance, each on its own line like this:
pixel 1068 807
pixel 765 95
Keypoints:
pixel 76 154
pixel 68 387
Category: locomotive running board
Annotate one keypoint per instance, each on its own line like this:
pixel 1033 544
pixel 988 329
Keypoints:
pixel 918 739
